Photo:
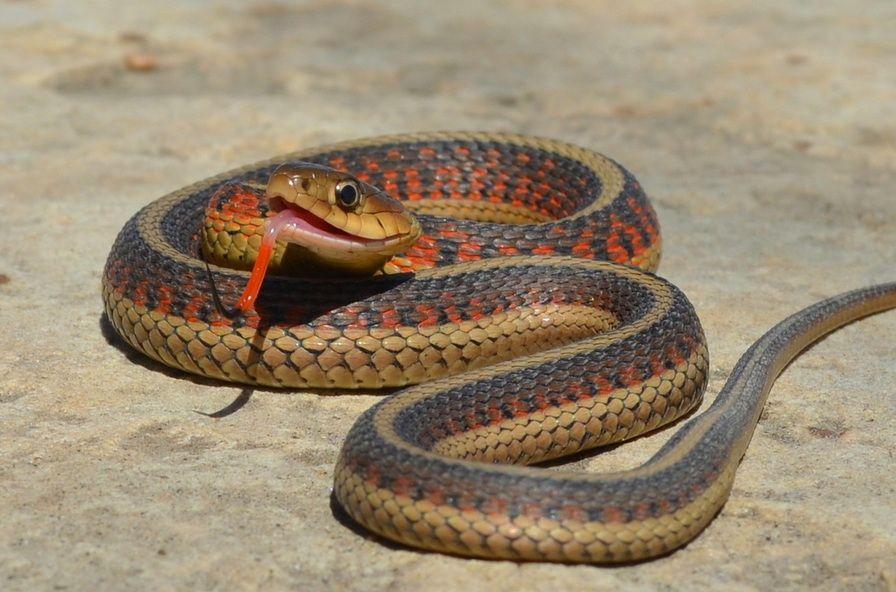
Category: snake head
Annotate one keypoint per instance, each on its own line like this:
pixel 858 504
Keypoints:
pixel 343 222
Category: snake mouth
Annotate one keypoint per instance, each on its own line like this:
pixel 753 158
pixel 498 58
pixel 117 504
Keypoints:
pixel 303 227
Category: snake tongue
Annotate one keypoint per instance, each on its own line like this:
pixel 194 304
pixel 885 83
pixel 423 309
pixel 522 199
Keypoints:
pixel 273 227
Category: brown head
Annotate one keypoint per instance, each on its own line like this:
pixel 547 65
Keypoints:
pixel 344 223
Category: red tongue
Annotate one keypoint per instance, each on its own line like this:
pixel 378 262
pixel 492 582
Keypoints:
pixel 273 226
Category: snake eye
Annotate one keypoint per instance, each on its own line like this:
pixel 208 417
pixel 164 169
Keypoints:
pixel 348 194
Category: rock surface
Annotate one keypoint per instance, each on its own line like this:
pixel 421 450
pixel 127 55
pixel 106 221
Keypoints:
pixel 765 133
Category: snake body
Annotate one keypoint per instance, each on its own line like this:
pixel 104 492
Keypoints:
pixel 527 321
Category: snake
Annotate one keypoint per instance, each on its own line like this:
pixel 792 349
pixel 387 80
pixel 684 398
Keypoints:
pixel 504 285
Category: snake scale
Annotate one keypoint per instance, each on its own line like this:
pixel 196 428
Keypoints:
pixel 509 289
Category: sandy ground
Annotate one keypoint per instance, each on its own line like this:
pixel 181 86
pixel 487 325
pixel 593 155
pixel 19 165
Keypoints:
pixel 765 132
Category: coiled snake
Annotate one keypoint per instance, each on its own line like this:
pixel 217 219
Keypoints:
pixel 521 311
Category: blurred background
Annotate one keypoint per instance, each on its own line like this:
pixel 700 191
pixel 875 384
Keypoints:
pixel 764 132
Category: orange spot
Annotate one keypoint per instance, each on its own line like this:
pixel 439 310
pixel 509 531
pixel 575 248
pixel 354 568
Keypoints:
pixel 508 250
pixel 495 506
pixel 532 511
pixel 455 234
pixel 391 319
pixel 610 514
pixel 574 513
pixel 372 476
pixel 604 387
pixel 629 376
pixel 436 497
pixel 402 485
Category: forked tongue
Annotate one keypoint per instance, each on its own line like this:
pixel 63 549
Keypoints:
pixel 272 228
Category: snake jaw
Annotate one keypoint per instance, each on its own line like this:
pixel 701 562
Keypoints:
pixel 303 201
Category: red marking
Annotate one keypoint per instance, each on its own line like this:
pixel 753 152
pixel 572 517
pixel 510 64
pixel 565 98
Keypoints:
pixel 372 476
pixel 429 313
pixel 615 250
pixel 532 511
pixel 637 240
pixel 630 376
pixel 393 154
pixel 495 506
pixel 507 250
pixel 455 235
pixel 191 309
pixel 673 354
pixel 579 392
pixel 391 319
pixel 610 514
pixel 436 497
pixel 140 295
pixel 426 153
pixel 466 503
pixel 574 513
pixel 543 250
pixel 166 297
pixel 453 314
pixel 418 263
pixel 402 485
pixel 427 242
pixel 494 415
pixel 647 217
pixel 641 511
pixel 604 386
pixel 469 252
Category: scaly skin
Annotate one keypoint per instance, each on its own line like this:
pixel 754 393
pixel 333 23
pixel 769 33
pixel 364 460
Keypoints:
pixel 523 319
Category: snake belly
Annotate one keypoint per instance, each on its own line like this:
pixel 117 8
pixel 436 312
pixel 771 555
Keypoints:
pixel 528 322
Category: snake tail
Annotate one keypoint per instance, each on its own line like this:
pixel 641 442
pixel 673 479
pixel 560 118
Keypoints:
pixel 412 469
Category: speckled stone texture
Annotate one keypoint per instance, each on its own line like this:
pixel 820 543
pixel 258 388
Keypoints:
pixel 763 131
